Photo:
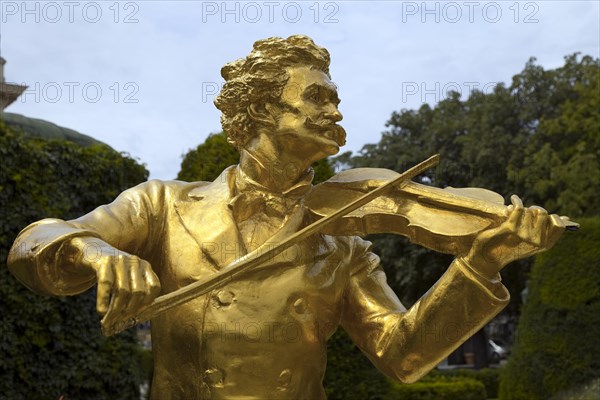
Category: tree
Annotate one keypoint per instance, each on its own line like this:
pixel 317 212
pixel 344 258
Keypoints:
pixel 206 162
pixel 561 167
pixel 538 138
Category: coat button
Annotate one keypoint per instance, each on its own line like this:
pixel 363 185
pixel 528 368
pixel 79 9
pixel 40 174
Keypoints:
pixel 213 377
pixel 300 306
pixel 223 298
pixel 285 378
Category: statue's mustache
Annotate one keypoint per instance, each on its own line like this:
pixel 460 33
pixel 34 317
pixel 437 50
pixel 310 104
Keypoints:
pixel 320 124
pixel 331 129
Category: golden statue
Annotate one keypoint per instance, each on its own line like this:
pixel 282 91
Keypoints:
pixel 257 269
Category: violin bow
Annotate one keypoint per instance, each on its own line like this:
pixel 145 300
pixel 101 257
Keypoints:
pixel 256 257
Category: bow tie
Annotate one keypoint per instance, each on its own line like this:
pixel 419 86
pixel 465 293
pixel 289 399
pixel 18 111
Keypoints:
pixel 247 204
pixel 253 197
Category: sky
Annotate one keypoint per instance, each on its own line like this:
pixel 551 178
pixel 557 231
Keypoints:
pixel 141 76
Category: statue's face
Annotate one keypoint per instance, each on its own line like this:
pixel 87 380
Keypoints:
pixel 307 126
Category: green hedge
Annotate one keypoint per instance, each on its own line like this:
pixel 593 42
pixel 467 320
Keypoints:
pixel 558 341
pixel 489 377
pixel 440 389
pixel 52 347
pixel 588 391
pixel 350 374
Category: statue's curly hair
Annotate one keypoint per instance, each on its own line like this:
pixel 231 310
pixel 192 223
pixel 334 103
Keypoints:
pixel 259 79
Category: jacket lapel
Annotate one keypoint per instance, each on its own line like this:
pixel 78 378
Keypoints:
pixel 207 218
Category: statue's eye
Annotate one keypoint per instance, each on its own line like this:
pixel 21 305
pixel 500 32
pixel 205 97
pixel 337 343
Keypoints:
pixel 315 97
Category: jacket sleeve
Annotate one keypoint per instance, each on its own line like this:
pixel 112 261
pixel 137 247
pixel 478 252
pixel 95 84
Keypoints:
pixel 406 344
pixel 127 224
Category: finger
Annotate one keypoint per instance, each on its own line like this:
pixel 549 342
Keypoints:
pixel 542 221
pixel 516 201
pixel 556 228
pixel 105 283
pixel 538 229
pixel 138 286
pixel 559 221
pixel 537 210
pixel 121 291
pixel 514 218
pixel 525 237
pixel 152 283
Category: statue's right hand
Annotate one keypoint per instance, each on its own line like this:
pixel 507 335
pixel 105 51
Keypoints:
pixel 126 283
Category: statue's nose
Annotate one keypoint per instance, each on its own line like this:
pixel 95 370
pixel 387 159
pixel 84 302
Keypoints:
pixel 334 115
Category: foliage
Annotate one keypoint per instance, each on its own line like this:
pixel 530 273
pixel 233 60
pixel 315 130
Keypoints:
pixel 538 137
pixel 52 347
pixel 349 374
pixel 323 171
pixel 439 389
pixel 489 377
pixel 584 392
pixel 560 167
pixel 205 162
pixel 558 341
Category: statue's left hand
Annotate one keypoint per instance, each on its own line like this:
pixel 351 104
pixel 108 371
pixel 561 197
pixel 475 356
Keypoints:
pixel 525 232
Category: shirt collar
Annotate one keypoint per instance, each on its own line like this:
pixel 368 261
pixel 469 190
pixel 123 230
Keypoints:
pixel 299 189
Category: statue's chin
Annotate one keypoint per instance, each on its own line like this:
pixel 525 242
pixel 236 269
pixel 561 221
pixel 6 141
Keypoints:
pixel 337 134
pixel 331 148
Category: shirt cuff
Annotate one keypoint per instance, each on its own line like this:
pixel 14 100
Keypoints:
pixel 492 286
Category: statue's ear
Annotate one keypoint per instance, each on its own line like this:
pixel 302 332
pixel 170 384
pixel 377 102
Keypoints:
pixel 262 114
